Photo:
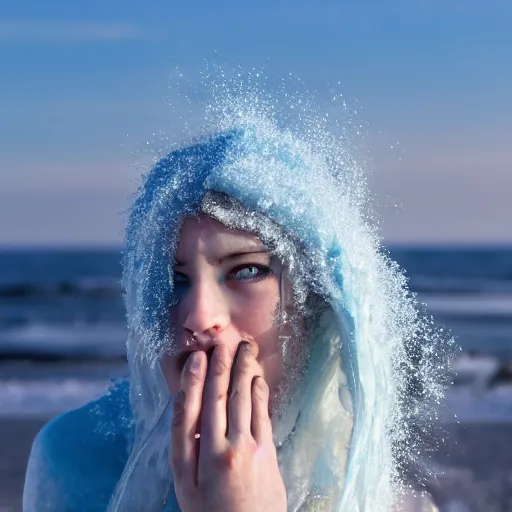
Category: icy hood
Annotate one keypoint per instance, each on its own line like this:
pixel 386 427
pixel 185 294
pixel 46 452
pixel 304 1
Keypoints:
pixel 338 438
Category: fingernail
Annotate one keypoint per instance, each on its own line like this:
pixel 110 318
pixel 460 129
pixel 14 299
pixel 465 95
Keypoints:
pixel 180 397
pixel 245 346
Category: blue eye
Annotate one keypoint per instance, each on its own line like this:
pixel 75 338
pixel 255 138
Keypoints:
pixel 249 272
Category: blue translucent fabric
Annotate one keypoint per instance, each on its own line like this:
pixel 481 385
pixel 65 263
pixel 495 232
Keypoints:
pixel 113 455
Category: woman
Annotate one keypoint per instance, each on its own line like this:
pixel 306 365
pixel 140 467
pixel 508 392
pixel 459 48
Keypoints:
pixel 267 347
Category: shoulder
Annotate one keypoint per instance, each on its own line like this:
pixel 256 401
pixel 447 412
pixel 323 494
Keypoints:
pixel 78 457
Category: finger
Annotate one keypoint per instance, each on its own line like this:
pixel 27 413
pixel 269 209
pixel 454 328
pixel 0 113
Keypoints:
pixel 214 413
pixel 245 368
pixel 186 414
pixel 261 425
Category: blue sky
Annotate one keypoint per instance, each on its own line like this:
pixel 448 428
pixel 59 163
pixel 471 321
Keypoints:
pixel 84 84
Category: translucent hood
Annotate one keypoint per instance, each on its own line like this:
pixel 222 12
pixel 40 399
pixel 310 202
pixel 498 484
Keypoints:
pixel 338 437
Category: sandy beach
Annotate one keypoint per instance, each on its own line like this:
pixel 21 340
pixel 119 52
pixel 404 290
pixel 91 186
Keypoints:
pixel 478 459
pixel 16 437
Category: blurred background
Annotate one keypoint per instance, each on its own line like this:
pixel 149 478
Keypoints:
pixel 85 88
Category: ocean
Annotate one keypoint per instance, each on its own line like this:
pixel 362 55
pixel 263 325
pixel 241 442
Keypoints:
pixel 62 325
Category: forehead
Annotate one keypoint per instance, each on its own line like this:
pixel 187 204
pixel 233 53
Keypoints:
pixel 209 234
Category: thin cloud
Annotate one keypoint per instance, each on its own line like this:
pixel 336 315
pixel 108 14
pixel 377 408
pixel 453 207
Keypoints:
pixel 66 31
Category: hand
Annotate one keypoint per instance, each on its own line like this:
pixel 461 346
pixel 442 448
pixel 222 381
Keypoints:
pixel 233 466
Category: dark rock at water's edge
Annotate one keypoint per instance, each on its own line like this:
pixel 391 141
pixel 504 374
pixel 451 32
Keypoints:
pixel 502 376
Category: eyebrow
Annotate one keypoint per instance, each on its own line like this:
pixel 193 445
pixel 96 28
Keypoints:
pixel 231 255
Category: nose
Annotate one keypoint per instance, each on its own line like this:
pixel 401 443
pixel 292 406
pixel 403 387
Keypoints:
pixel 206 315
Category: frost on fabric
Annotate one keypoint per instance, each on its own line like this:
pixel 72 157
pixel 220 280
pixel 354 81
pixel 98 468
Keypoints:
pixel 300 189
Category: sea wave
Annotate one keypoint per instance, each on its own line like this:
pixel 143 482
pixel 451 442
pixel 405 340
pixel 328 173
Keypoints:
pixel 74 341
pixel 47 397
pixel 424 283
pixel 100 287
pixel 492 306
pixel 465 404
pixel 475 369
pixel 111 287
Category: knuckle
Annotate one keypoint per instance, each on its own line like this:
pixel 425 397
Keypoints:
pixel 236 394
pixel 245 364
pixel 179 408
pixel 220 396
pixel 246 354
pixel 193 368
pixel 221 365
pixel 260 389
pixel 193 377
pixel 178 417
pixel 251 443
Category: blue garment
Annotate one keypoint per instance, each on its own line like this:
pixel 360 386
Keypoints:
pixel 70 449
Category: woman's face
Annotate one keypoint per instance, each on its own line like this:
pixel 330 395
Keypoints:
pixel 228 289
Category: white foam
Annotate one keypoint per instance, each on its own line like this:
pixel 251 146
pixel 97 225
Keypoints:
pixel 488 304
pixel 47 397
pixel 431 284
pixel 76 339
pixel 99 283
pixel 467 404
pixel 475 369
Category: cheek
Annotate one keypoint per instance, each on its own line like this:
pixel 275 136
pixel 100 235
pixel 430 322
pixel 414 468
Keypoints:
pixel 177 315
pixel 255 317
pixel 254 308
